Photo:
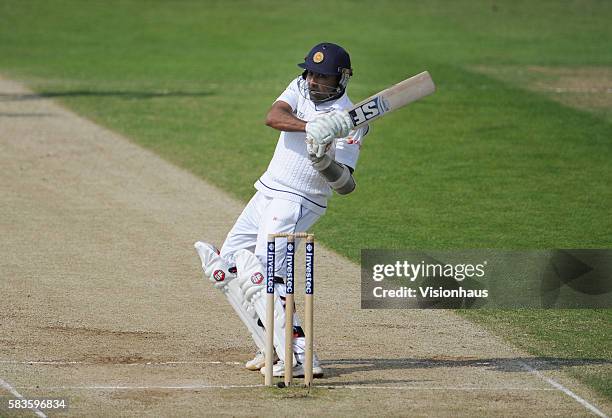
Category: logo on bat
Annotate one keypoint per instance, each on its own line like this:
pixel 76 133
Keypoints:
pixel 369 110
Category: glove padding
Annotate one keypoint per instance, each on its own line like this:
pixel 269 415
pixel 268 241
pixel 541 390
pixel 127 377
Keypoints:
pixel 316 151
pixel 215 268
pixel 321 131
pixel 340 121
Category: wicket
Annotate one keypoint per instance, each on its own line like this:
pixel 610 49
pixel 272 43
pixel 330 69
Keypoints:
pixel 289 304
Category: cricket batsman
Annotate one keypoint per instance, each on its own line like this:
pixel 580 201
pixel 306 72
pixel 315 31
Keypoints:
pixel 316 154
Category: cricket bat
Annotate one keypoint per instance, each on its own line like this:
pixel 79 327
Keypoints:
pixel 392 98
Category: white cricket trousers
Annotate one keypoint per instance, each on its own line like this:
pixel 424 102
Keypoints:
pixel 265 215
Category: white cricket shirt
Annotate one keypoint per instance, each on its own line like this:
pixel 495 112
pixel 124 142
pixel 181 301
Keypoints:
pixel 290 174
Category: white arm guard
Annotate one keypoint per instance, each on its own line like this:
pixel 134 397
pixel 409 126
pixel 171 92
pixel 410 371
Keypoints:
pixel 337 175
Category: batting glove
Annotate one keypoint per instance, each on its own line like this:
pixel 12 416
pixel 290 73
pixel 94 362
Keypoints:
pixel 320 131
pixel 341 121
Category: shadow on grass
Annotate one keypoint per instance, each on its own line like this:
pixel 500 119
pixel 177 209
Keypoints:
pixel 25 115
pixel 341 367
pixel 130 95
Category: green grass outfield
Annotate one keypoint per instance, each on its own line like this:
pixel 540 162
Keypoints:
pixel 484 163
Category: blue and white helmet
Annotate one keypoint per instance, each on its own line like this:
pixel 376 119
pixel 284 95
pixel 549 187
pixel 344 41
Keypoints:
pixel 329 59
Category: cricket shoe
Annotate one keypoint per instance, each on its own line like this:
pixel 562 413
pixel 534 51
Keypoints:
pixel 259 361
pixel 298 370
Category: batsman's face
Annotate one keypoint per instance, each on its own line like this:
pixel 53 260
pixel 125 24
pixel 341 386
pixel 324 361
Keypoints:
pixel 321 86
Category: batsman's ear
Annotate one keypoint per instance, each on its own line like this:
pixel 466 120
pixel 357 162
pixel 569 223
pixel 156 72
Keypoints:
pixel 304 74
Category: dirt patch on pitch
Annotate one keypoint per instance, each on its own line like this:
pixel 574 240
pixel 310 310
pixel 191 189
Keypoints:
pixel 586 88
pixel 99 271
pixel 100 332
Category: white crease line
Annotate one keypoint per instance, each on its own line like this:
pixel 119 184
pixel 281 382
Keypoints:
pixel 231 363
pixel 530 369
pixel 565 390
pixel 181 387
pixel 18 395
pixel 351 387
pixel 459 388
pixel 148 363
